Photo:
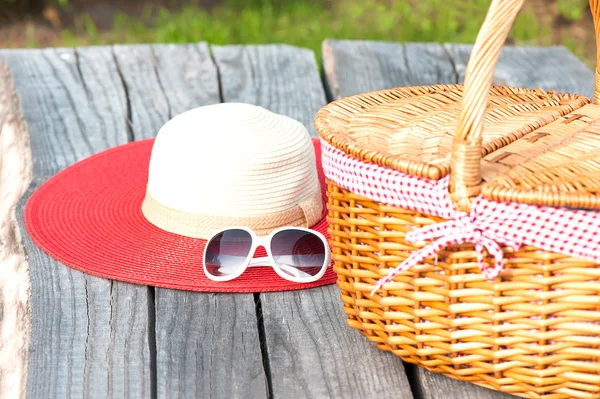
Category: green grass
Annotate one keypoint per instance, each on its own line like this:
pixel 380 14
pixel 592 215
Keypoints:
pixel 571 9
pixel 304 24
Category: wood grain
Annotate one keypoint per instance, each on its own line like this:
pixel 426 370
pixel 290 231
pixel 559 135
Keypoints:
pixel 276 77
pixel 353 67
pixel 65 126
pixel 187 74
pixel 15 177
pixel 86 340
pixel 206 345
pixel 148 108
pixel 435 386
pixel 311 352
pixel 533 67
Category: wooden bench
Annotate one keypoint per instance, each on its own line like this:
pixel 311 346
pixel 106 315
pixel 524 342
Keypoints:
pixel 91 337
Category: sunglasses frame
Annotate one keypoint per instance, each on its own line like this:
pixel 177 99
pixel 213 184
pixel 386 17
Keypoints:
pixel 265 241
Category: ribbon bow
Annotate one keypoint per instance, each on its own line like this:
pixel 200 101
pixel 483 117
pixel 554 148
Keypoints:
pixel 462 230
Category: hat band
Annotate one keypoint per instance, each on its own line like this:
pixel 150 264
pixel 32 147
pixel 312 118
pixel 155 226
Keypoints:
pixel 306 214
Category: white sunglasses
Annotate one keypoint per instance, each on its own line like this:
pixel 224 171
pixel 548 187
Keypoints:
pixel 297 254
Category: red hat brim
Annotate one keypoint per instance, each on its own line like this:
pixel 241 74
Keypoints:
pixel 89 217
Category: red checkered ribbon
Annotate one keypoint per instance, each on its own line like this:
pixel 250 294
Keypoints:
pixel 459 231
pixel 572 232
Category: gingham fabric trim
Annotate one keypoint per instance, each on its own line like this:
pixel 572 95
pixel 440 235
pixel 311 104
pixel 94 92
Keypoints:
pixel 570 232
pixel 386 185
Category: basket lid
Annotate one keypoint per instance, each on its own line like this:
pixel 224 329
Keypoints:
pixel 533 142
pixel 507 144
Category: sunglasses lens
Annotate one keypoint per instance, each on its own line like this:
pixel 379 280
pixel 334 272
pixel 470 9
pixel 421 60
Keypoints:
pixel 298 253
pixel 227 252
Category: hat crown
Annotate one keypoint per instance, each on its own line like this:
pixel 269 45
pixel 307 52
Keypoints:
pixel 232 160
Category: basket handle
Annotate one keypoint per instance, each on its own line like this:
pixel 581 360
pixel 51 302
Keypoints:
pixel 465 163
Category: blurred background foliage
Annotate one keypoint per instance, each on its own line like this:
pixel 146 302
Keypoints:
pixel 41 23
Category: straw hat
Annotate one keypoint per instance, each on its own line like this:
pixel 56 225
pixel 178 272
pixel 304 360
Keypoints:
pixel 142 212
pixel 262 172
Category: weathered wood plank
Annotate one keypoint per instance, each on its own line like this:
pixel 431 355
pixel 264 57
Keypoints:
pixel 148 106
pixel 207 345
pixel 53 94
pixel 247 76
pixel 188 76
pixel 434 386
pixel 89 335
pixel 353 67
pixel 15 177
pixel 526 67
pixel 311 352
pixel 533 67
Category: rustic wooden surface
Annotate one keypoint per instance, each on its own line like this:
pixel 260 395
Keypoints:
pixel 89 335
pixel 353 67
pixel 92 337
pixel 532 67
pixel 432 63
pixel 310 351
pixel 206 345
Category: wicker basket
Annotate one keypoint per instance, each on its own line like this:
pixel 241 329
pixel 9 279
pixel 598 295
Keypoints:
pixel 525 321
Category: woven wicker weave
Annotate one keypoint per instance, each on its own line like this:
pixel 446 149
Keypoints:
pixel 534 331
